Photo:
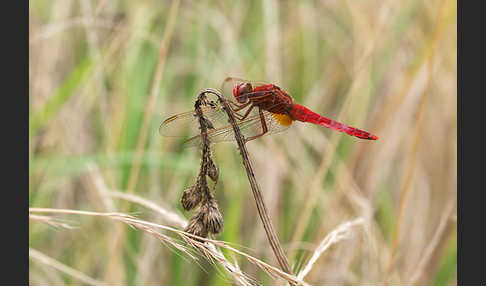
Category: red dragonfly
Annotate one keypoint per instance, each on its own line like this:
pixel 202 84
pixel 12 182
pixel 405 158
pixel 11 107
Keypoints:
pixel 260 108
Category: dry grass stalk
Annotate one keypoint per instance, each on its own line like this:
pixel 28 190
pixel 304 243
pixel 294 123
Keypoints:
pixel 97 180
pixel 201 243
pixel 170 216
pixel 209 249
pixel 214 253
pixel 422 264
pixel 341 232
pixel 257 194
pixel 116 216
pixel 50 221
pixel 44 259
pixel 233 270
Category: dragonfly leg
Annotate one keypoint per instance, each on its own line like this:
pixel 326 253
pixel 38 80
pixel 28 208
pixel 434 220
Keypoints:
pixel 247 112
pixel 264 127
pixel 237 107
pixel 241 117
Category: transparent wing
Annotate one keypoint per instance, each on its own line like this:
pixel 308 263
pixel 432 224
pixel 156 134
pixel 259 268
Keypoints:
pixel 249 127
pixel 175 125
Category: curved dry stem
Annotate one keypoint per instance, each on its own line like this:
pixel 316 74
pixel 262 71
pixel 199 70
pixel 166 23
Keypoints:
pixel 202 244
pixel 340 233
pixel 171 217
pixel 427 254
pixel 44 259
pixel 50 221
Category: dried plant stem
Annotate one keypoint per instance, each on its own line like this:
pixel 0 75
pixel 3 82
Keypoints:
pixel 175 219
pixel 206 151
pixel 169 216
pixel 206 246
pixel 49 220
pixel 207 219
pixel 39 256
pixel 427 254
pixel 257 194
pixel 340 233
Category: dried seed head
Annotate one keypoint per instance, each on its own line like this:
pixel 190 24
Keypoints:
pixel 196 227
pixel 213 171
pixel 191 198
pixel 211 217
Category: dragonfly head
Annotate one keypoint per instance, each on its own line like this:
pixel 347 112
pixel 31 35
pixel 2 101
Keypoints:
pixel 240 90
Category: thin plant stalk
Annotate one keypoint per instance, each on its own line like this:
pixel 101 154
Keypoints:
pixel 427 254
pixel 199 242
pixel 257 194
pixel 340 233
pixel 46 260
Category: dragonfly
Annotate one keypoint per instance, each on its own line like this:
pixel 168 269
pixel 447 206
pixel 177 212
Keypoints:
pixel 260 108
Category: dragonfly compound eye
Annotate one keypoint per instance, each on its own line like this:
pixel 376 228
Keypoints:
pixel 241 89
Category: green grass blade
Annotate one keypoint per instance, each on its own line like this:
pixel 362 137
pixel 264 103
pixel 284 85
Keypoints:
pixel 61 96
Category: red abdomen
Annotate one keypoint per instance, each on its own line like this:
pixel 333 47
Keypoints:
pixel 301 113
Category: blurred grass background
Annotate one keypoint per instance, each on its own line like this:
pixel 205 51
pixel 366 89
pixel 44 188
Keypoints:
pixel 388 67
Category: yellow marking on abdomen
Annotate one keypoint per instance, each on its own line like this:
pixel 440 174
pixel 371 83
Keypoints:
pixel 283 119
